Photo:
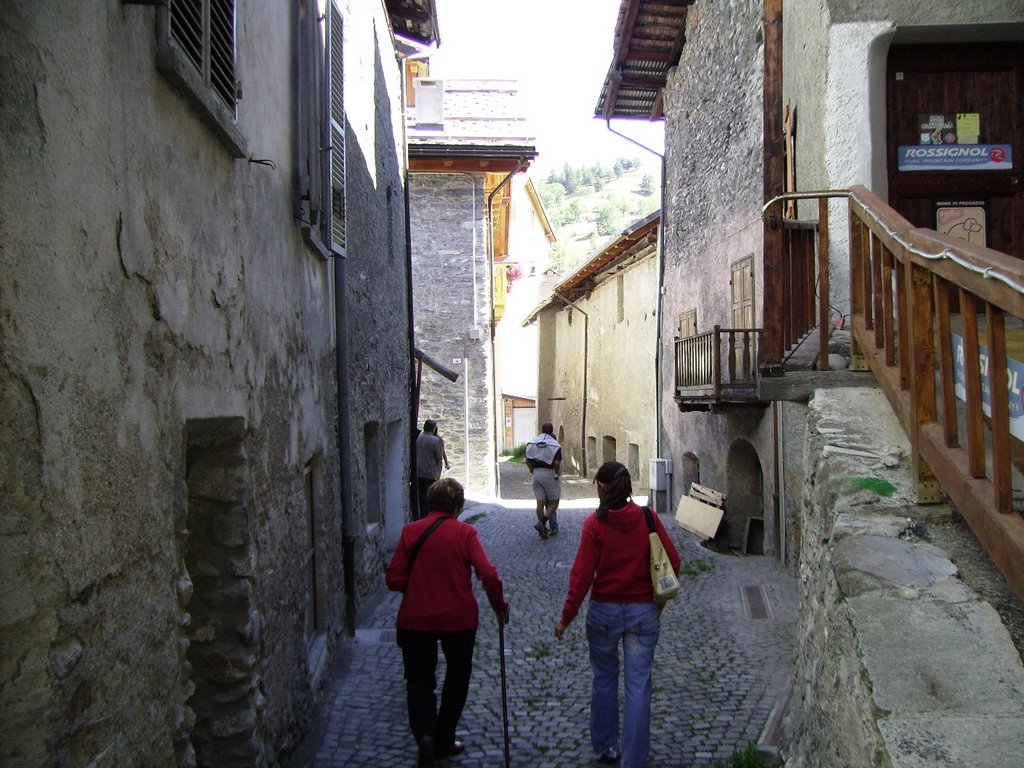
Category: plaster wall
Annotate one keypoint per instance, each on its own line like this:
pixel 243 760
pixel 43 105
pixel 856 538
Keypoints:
pixel 451 308
pixel 562 336
pixel 841 116
pixel 596 382
pixel 621 383
pixel 516 345
pixel 150 283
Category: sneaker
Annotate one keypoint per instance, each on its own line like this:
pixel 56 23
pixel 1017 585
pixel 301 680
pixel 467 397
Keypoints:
pixel 553 532
pixel 610 756
pixel 541 529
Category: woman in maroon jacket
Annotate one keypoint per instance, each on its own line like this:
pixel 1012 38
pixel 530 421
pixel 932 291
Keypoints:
pixel 438 606
pixel 613 564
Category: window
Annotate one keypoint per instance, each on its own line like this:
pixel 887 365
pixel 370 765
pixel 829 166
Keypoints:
pixel 743 293
pixel 196 52
pixel 321 109
pixel 688 324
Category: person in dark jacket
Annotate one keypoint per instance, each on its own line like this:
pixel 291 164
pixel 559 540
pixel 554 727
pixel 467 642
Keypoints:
pixel 434 574
pixel 613 565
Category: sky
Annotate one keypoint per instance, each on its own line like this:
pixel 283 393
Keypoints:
pixel 559 51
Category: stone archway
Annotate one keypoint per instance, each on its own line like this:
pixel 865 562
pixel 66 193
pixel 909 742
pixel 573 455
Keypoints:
pixel 744 499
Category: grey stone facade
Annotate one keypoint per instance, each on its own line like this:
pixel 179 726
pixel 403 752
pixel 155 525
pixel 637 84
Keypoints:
pixel 452 311
pixel 712 209
pixel 177 531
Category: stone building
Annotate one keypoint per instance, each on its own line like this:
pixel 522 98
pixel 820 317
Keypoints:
pixel 205 367
pixel 760 99
pixel 597 343
pixel 467 141
pixel 527 279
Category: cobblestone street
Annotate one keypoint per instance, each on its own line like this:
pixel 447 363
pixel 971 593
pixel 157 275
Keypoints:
pixel 722 664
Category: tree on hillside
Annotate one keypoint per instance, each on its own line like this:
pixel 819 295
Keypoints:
pixel 647 185
pixel 608 217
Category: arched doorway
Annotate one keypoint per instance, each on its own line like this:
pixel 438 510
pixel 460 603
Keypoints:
pixel 744 499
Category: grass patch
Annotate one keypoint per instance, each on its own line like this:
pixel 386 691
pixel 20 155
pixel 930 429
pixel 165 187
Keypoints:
pixel 748 758
pixel 517 454
pixel 696 568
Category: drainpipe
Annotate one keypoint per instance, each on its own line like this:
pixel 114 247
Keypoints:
pixel 586 368
pixel 465 349
pixel 658 356
pixel 490 292
pixel 414 368
pixel 348 539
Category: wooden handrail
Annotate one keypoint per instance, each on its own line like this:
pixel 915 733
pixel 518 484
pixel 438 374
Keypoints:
pixel 908 286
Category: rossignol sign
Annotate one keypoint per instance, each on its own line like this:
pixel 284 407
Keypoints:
pixel 956 157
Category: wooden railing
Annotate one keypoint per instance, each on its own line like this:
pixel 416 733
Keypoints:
pixel 708 368
pixel 911 289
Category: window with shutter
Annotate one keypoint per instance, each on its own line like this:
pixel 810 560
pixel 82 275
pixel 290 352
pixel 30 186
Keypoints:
pixel 321 113
pixel 336 156
pixel 196 52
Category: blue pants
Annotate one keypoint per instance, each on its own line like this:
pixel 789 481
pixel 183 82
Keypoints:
pixel 636 626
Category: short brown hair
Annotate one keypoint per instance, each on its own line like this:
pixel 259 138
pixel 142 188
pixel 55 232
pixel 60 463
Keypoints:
pixel 446 495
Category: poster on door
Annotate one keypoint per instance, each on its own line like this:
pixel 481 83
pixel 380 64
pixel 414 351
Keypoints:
pixel 1014 382
pixel 965 220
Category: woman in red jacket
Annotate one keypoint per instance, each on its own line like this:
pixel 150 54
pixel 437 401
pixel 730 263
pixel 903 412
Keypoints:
pixel 432 567
pixel 613 564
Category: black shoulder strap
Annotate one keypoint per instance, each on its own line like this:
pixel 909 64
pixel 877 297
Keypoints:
pixel 421 539
pixel 650 520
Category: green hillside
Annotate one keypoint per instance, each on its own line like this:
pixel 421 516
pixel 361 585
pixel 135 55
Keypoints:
pixel 589 206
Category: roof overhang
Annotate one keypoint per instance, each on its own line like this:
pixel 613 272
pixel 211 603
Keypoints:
pixel 649 38
pixel 615 254
pixel 448 158
pixel 414 20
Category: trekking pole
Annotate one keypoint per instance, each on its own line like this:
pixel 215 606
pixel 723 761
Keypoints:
pixel 504 693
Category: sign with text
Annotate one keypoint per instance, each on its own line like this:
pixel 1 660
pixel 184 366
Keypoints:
pixel 956 157
pixel 962 220
pixel 1014 380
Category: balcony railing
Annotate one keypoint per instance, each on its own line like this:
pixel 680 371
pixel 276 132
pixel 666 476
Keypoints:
pixel 717 366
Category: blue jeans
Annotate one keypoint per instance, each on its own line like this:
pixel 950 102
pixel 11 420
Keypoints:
pixel 636 626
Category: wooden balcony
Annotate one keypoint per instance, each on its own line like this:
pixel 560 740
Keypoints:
pixel 716 368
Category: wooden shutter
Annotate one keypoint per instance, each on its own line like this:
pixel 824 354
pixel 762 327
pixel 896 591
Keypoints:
pixel 337 129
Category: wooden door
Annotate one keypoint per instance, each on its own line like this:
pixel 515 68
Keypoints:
pixel 937 96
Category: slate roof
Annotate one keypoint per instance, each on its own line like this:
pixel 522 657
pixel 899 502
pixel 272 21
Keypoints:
pixel 479 116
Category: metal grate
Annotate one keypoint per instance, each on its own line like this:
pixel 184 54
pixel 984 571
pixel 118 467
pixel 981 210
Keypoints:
pixel 755 602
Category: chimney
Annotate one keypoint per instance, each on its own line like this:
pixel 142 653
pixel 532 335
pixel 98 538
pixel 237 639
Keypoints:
pixel 429 101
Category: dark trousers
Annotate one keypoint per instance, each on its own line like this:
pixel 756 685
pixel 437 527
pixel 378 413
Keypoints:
pixel 419 654
pixel 422 484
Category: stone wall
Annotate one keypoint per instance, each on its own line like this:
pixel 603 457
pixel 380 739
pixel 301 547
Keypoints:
pixel 168 391
pixel 451 308
pixel 900 662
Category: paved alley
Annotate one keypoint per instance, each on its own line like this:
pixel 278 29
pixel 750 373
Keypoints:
pixel 722 664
